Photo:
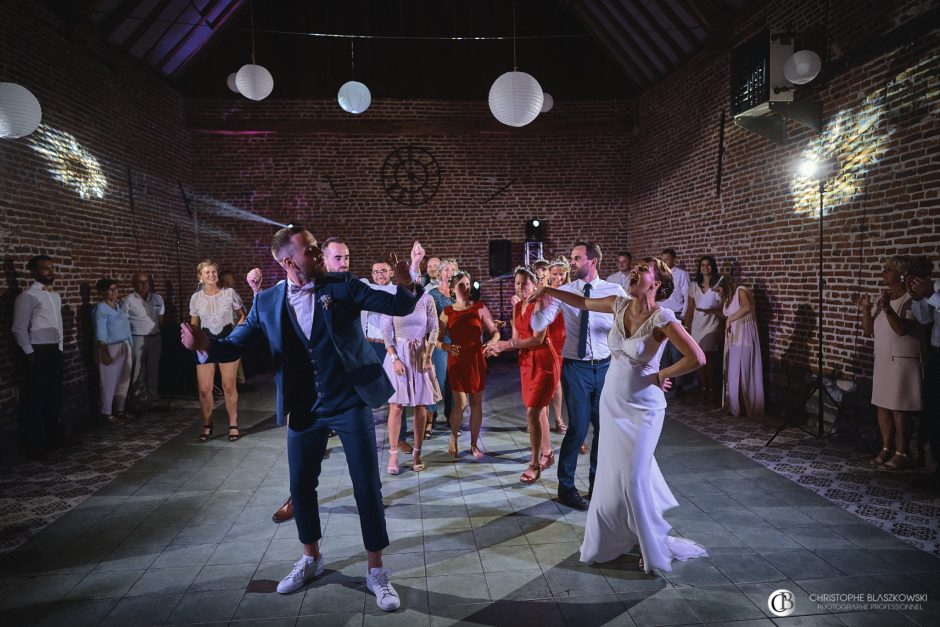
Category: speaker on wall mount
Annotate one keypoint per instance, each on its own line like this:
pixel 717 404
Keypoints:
pixel 500 257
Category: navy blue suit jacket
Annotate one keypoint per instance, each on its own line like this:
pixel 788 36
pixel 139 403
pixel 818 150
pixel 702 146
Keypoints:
pixel 348 298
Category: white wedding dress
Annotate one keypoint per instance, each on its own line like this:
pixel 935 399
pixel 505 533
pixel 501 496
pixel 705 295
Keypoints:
pixel 630 493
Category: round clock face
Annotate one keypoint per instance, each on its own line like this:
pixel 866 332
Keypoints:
pixel 411 176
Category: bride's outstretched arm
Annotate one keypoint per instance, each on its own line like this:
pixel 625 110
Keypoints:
pixel 602 305
pixel 692 356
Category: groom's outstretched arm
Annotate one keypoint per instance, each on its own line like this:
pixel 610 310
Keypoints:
pixel 232 346
pixel 401 303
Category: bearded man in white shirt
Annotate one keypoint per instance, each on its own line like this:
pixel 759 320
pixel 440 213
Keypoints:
pixel 37 327
pixel 677 302
pixel 586 358
pixel 145 310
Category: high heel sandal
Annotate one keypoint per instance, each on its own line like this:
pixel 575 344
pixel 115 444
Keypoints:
pixel 476 452
pixel 452 447
pixel 641 565
pixel 393 468
pixel 531 479
pixel 429 428
pixel 417 466
pixel 204 436
pixel 549 460
pixel 233 437
pixel 881 458
pixel 901 464
pixel 560 426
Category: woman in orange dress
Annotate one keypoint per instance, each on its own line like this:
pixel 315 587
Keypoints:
pixel 558 273
pixel 464 321
pixel 539 373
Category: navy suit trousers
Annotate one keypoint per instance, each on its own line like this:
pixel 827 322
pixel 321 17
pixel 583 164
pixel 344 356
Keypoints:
pixel 305 450
pixel 582 383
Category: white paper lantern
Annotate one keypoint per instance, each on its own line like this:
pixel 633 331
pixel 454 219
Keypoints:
pixel 230 82
pixel 354 97
pixel 254 82
pixel 515 98
pixel 20 113
pixel 547 102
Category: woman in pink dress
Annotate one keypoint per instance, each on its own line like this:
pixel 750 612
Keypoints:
pixel 744 370
pixel 408 344
pixel 896 382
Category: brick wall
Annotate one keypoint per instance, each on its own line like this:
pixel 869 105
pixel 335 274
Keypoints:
pixel 570 172
pixel 880 125
pixel 100 118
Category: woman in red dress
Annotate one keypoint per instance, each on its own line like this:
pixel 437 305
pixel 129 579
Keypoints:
pixel 464 321
pixel 558 273
pixel 539 372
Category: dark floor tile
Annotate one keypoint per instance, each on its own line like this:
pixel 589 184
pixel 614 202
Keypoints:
pixel 746 568
pixel 720 603
pixel 665 607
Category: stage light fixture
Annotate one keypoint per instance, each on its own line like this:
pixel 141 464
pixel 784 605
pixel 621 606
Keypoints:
pixel 535 230
pixel 808 168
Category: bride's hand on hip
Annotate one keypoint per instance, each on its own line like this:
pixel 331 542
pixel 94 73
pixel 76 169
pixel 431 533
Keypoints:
pixel 665 383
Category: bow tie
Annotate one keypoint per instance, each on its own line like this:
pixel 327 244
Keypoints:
pixel 306 288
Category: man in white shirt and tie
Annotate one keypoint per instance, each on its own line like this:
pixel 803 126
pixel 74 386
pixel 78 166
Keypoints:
pixel 677 302
pixel 37 327
pixel 622 276
pixel 586 358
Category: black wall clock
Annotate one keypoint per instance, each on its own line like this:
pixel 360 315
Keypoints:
pixel 411 176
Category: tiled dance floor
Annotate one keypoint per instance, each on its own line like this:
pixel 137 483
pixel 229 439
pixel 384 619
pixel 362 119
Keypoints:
pixel 185 533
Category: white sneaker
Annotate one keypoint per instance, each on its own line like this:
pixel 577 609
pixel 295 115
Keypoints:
pixel 304 570
pixel 379 583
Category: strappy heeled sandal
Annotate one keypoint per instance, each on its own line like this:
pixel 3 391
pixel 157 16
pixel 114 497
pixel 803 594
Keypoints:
pixel 393 468
pixel 549 460
pixel 205 435
pixel 233 437
pixel 417 466
pixel 881 458
pixel 901 464
pixel 531 478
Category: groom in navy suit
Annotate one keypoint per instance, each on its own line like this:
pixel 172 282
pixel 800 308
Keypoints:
pixel 327 378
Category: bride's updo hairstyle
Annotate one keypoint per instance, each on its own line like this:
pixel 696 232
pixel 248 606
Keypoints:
pixel 663 274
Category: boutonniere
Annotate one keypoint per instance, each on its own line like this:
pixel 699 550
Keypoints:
pixel 326 301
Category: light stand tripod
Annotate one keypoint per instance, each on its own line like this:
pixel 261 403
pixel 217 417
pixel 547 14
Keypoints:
pixel 180 371
pixel 818 387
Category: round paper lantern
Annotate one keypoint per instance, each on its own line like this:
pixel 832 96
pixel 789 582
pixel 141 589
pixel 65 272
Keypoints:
pixel 254 82
pixel 547 102
pixel 354 97
pixel 20 113
pixel 230 82
pixel 515 98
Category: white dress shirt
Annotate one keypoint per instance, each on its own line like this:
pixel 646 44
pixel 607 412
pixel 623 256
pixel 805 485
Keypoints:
pixel 599 324
pixel 620 278
pixel 372 321
pixel 143 314
pixel 927 311
pixel 679 298
pixel 301 302
pixel 37 317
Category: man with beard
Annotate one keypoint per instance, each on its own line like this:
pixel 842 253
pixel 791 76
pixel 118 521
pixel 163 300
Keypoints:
pixel 37 327
pixel 327 378
pixel 584 368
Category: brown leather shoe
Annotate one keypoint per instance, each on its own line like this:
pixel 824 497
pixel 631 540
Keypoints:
pixel 584 449
pixel 285 512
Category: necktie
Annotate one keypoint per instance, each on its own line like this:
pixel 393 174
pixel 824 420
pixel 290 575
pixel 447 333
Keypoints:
pixel 583 332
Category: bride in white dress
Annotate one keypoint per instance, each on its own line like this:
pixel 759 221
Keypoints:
pixel 630 493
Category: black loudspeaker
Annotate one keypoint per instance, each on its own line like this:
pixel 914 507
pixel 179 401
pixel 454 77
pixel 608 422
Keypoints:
pixel 500 257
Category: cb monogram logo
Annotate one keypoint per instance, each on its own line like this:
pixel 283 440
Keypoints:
pixel 781 602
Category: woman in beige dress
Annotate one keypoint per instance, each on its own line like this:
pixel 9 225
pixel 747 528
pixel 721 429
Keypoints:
pixel 896 380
